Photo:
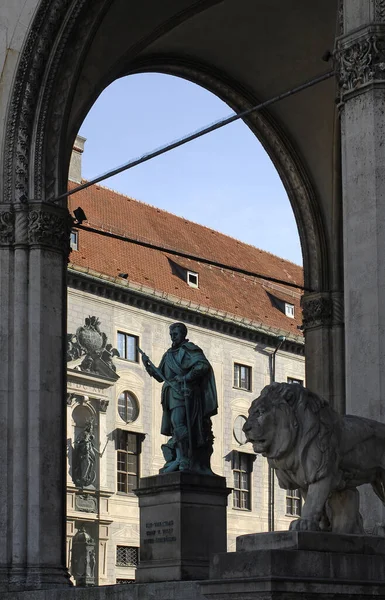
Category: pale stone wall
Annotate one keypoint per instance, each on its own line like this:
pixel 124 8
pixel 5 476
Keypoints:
pixel 119 517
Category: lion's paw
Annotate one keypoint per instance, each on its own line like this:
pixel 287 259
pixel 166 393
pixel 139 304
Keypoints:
pixel 304 525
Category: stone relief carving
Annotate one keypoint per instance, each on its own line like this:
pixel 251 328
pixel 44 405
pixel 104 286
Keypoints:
pixel 341 17
pixel 380 10
pixel 83 558
pixel 86 503
pixel 360 62
pixel 324 454
pixel 50 229
pixel 92 343
pixel 7 227
pixel 316 310
pixel 103 405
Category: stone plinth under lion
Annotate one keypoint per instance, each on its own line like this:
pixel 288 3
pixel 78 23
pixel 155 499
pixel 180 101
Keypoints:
pixel 322 453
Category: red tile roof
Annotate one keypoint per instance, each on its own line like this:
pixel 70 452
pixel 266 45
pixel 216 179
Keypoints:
pixel 227 291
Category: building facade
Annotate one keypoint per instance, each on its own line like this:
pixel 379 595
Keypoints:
pixel 115 305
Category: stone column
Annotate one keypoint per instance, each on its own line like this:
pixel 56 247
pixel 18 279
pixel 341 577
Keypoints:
pixel 360 61
pixel 323 322
pixel 34 241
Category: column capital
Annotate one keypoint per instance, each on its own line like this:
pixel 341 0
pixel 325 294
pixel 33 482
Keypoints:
pixel 360 60
pixel 35 224
pixel 49 226
pixel 322 309
pixel 7 225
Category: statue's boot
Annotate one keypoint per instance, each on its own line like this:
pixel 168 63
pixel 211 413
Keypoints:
pixel 182 452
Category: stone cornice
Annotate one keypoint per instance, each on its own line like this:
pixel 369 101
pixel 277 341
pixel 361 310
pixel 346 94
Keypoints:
pixel 360 60
pixel 181 310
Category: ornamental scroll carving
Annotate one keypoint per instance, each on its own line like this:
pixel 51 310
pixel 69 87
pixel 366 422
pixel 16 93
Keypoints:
pixel 50 229
pixel 316 311
pixel 380 10
pixel 7 228
pixel 360 62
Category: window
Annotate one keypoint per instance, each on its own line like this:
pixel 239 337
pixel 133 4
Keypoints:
pixel 238 432
pixel 128 407
pixel 127 461
pixel 293 503
pixel 242 477
pixel 128 346
pixel 289 310
pixel 293 380
pixel 192 279
pixel 242 377
pixel 74 239
pixel 127 556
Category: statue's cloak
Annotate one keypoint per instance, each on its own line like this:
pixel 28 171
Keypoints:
pixel 203 403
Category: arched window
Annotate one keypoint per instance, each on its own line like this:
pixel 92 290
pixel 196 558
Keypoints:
pixel 128 407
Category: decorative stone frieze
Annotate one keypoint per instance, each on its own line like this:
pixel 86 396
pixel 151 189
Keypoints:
pixel 360 60
pixel 7 227
pixel 379 10
pixel 160 306
pixel 340 17
pixel 317 310
pixel 47 228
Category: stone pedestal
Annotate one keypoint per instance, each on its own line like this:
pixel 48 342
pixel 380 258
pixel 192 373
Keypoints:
pixel 306 565
pixel 182 524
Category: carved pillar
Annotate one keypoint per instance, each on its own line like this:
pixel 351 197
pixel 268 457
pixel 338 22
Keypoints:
pixel 34 244
pixel 360 62
pixel 323 322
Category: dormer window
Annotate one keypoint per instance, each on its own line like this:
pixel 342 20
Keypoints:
pixel 289 310
pixel 74 239
pixel 192 279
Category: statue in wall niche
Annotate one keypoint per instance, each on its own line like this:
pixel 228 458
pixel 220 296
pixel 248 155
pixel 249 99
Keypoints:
pixel 83 558
pixel 324 454
pixel 189 400
pixel 91 343
pixel 84 457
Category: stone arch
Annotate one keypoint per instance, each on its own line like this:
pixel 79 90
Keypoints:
pixel 281 151
pixel 34 242
pixel 38 144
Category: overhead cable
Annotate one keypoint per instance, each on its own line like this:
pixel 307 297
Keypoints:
pixel 201 259
pixel 197 134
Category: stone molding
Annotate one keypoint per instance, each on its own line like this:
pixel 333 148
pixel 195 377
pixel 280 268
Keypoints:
pixel 160 306
pixel 322 309
pixel 360 60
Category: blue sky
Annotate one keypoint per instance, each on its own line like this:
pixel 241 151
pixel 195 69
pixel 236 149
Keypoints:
pixel 224 180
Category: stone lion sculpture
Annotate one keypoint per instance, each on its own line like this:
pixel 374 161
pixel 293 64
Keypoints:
pixel 324 454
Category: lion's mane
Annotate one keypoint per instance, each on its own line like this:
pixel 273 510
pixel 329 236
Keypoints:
pixel 316 443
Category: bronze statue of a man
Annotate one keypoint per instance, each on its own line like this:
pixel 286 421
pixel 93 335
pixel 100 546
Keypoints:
pixel 189 399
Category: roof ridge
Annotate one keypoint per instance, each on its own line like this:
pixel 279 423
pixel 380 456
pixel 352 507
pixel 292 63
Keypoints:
pixel 130 198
